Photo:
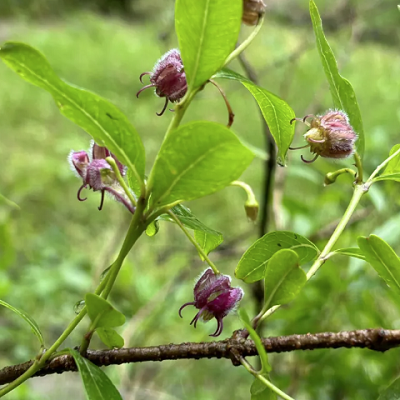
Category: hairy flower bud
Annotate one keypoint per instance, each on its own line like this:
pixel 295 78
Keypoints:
pixel 168 78
pixel 330 136
pixel 252 11
pixel 214 297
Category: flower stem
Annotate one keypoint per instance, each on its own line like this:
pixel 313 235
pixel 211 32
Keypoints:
pixel 357 159
pixel 195 244
pixel 251 198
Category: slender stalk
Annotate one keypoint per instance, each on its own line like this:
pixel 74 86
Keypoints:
pixel 357 159
pixel 246 42
pixel 379 167
pixel 251 198
pixel 195 244
pixel 331 177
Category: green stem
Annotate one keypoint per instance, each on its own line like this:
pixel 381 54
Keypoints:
pixel 357 159
pixel 379 167
pixel 251 198
pixel 331 177
pixel 246 42
pixel 195 244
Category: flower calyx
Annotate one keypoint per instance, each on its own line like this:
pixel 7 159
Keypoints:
pixel 252 11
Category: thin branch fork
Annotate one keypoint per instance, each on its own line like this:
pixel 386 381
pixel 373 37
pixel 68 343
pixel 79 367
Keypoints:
pixel 373 339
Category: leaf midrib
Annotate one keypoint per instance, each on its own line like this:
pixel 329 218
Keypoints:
pixel 386 267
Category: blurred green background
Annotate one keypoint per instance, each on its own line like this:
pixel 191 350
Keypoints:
pixel 54 248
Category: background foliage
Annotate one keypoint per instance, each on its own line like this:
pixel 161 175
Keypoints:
pixel 53 245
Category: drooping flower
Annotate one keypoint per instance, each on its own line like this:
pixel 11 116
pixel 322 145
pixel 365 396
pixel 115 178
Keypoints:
pixel 168 78
pixel 98 174
pixel 213 297
pixel 330 136
pixel 252 11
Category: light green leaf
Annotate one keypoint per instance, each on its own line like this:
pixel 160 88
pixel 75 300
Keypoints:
pixel 392 170
pixel 110 338
pixel 392 392
pixel 257 341
pixel 342 92
pixel 102 120
pixel 383 259
pixel 388 177
pixel 259 391
pixel 97 384
pixel 102 313
pixel 34 326
pixel 152 229
pixel 283 278
pixel 207 33
pixel 277 113
pixel 351 252
pixel 252 265
pixel 195 160
pixel 207 242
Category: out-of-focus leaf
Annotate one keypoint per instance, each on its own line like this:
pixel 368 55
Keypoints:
pixel 97 384
pixel 32 323
pixel 259 391
pixel 392 392
pixel 195 160
pixel 254 261
pixel 102 120
pixel 351 252
pixel 207 242
pixel 342 92
pixel 383 259
pixel 283 278
pixel 110 338
pixel 102 313
pixel 207 32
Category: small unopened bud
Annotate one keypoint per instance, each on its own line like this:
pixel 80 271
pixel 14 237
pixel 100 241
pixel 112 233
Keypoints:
pixel 251 209
pixel 252 11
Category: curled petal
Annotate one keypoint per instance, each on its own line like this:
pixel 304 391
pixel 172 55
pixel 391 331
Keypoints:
pixel 142 75
pixel 144 88
pixel 102 200
pixel 164 108
pixel 309 161
pixel 220 326
pixel 192 303
pixel 298 148
pixel 79 192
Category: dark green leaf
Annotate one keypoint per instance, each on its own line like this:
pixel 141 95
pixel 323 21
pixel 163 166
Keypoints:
pixel 102 120
pixel 195 160
pixel 283 278
pixel 277 113
pixel 207 33
pixel 342 92
pixel 102 313
pixel 257 341
pixel 110 338
pixel 207 242
pixel 34 326
pixel 392 392
pixel 261 392
pixel 97 384
pixel 254 261
pixel 383 259
pixel 351 252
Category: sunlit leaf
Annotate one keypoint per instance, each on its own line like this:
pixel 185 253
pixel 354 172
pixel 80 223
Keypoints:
pixel 392 170
pixel 152 229
pixel 102 120
pixel 97 384
pixel 110 338
pixel 342 92
pixel 207 241
pixel 254 261
pixel 195 160
pixel 277 113
pixel 207 32
pixel 102 313
pixel 392 392
pixel 34 326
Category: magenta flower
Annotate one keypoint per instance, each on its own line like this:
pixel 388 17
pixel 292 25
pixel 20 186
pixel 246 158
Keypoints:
pixel 98 174
pixel 168 78
pixel 213 297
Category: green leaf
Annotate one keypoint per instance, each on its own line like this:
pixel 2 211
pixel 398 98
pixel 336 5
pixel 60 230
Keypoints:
pixel 392 170
pixel 388 177
pixel 259 391
pixel 392 392
pixel 351 252
pixel 383 259
pixel 277 113
pixel 152 229
pixel 207 33
pixel 283 278
pixel 102 120
pixel 97 384
pixel 102 313
pixel 342 92
pixel 257 341
pixel 252 265
pixel 110 338
pixel 34 326
pixel 207 242
pixel 195 160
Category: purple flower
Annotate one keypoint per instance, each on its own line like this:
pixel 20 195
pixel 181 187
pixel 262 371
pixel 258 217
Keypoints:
pixel 168 78
pixel 98 174
pixel 213 297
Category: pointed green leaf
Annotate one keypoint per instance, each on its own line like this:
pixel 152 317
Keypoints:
pixel 392 170
pixel 97 384
pixel 195 160
pixel 207 33
pixel 277 113
pixel 110 338
pixel 392 392
pixel 207 242
pixel 283 278
pixel 257 341
pixel 351 252
pixel 34 326
pixel 259 391
pixel 102 120
pixel 383 259
pixel 252 265
pixel 102 313
pixel 342 92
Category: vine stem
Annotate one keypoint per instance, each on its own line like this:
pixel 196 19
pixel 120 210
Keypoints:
pixel 195 244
